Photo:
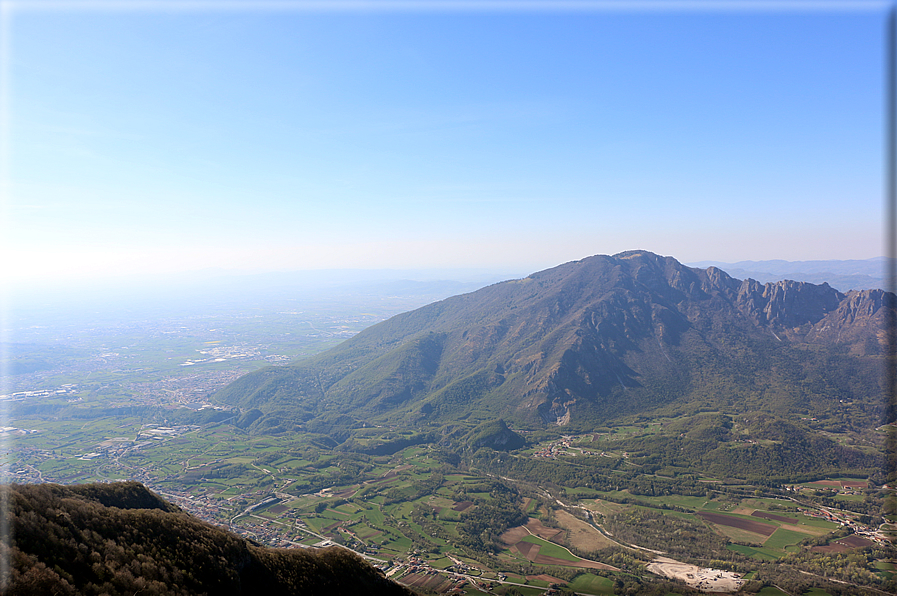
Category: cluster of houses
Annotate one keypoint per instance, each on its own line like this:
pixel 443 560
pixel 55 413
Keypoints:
pixel 563 446
pixel 554 449
pixel 845 520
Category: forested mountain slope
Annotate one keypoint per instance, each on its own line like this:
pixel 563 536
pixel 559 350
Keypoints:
pixel 590 341
pixel 122 539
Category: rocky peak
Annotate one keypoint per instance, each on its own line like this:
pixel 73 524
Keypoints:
pixel 717 280
pixel 863 304
pixel 786 304
pixel 859 321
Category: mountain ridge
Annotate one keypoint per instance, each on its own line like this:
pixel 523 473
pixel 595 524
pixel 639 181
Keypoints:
pixel 587 340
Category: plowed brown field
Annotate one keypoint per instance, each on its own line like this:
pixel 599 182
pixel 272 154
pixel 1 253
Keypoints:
pixel 514 535
pixel 462 505
pixel 527 549
pixel 774 517
pixel 740 523
pixel 543 532
pixel 844 544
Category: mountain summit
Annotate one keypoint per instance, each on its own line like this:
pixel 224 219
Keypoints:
pixel 586 342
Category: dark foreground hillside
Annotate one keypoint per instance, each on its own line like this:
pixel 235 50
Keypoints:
pixel 123 539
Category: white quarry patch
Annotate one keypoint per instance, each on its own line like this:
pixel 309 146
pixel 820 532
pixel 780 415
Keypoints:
pixel 700 578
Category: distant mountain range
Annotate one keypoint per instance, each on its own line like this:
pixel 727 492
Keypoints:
pixel 842 275
pixel 589 342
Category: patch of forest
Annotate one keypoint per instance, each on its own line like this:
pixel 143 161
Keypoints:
pixel 117 539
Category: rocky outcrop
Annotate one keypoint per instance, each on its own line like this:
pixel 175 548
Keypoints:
pixel 787 304
pixel 859 322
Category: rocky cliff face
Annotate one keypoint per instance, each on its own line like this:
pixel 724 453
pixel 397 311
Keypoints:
pixel 859 322
pixel 810 313
pixel 787 304
pixel 584 341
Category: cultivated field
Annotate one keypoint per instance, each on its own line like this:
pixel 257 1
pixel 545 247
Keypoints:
pixel 581 534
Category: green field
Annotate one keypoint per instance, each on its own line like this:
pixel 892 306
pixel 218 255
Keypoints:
pixel 782 538
pixel 549 549
pixel 590 583
pixel 886 569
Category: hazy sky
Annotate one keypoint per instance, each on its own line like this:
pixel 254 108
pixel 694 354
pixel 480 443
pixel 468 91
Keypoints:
pixel 291 138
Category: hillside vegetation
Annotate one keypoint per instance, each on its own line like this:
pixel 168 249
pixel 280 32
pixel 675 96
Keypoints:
pixel 123 539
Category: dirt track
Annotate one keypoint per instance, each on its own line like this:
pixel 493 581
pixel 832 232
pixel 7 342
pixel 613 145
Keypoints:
pixel 582 563
pixel 543 532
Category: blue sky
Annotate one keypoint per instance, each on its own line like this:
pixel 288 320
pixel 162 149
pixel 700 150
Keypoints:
pixel 156 141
